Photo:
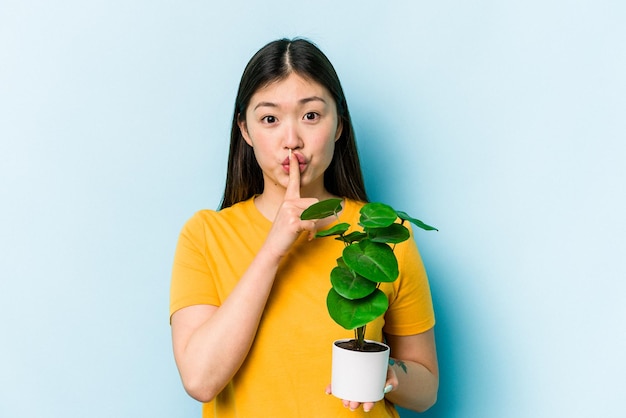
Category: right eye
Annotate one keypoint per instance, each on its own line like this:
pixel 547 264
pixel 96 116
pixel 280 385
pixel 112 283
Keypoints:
pixel 269 119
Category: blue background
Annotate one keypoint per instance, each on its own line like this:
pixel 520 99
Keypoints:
pixel 502 123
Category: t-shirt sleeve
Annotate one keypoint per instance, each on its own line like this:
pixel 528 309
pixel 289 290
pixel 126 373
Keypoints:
pixel 192 276
pixel 410 309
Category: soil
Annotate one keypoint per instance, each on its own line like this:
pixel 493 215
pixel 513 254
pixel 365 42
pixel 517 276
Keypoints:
pixel 367 347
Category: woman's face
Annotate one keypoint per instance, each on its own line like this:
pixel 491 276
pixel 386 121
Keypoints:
pixel 298 114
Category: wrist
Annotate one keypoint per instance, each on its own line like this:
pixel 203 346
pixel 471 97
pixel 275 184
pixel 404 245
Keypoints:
pixel 268 257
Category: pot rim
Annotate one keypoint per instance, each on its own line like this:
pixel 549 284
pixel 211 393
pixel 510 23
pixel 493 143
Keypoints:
pixel 341 340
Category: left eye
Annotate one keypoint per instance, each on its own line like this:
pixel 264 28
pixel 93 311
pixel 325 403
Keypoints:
pixel 311 116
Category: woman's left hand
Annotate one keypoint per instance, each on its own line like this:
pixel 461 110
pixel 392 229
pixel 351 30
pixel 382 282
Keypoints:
pixel 390 385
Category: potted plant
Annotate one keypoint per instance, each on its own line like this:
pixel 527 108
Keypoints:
pixel 355 299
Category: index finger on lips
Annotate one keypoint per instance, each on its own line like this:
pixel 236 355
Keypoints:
pixel 293 185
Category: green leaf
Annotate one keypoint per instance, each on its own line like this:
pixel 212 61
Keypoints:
pixel 335 230
pixel 377 215
pixel 392 234
pixel 322 209
pixel 341 263
pixel 405 216
pixel 350 285
pixel 352 314
pixel 372 260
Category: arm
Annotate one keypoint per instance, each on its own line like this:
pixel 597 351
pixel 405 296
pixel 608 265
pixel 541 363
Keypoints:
pixel 416 369
pixel 211 343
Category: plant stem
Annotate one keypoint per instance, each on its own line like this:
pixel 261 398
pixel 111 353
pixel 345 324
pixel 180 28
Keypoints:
pixel 360 337
pixel 343 238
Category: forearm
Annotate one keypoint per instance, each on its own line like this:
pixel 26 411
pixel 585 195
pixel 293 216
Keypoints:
pixel 417 386
pixel 217 348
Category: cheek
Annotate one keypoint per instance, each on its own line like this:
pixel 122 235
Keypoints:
pixel 330 147
pixel 261 155
pixel 264 152
pixel 329 151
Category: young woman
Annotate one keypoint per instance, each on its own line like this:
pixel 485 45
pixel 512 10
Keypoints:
pixel 251 333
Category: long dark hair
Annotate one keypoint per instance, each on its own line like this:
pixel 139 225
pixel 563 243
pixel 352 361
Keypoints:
pixel 275 61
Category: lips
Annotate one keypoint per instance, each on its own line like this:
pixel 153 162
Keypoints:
pixel 301 162
pixel 300 158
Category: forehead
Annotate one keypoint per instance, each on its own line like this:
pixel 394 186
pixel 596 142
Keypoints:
pixel 292 89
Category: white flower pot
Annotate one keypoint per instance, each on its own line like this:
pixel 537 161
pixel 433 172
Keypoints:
pixel 359 375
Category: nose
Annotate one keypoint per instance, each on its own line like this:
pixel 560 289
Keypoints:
pixel 291 137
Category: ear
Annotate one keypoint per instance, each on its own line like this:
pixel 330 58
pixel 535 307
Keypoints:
pixel 243 128
pixel 339 129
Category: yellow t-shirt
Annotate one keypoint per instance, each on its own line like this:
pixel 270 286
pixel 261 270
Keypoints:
pixel 288 367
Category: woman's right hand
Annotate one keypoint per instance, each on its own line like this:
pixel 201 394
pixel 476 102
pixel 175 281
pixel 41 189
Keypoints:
pixel 288 226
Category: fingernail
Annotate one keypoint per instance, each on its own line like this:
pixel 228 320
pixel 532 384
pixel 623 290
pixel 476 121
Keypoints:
pixel 388 389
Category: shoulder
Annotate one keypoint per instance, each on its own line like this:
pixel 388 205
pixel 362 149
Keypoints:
pixel 200 221
pixel 241 221
pixel 236 214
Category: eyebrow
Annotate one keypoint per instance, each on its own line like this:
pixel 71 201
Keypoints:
pixel 301 102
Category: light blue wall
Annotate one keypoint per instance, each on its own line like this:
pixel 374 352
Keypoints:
pixel 503 123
